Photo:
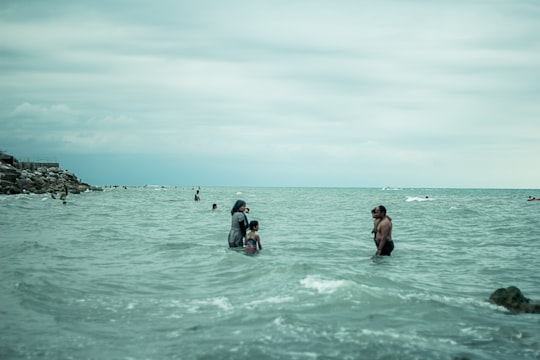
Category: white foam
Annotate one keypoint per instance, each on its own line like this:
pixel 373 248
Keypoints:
pixel 449 300
pixel 321 285
pixel 409 338
pixel 481 333
pixel 416 198
pixel 278 321
pixel 273 300
pixel 221 302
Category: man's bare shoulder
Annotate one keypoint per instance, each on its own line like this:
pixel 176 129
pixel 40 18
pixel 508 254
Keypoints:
pixel 385 222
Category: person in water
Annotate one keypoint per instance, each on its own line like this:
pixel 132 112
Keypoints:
pixel 374 230
pixel 375 223
pixel 214 207
pixel 239 224
pixel 252 238
pixel 383 232
pixel 197 196
pixel 64 194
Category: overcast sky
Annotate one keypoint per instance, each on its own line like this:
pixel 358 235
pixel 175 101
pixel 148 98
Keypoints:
pixel 275 93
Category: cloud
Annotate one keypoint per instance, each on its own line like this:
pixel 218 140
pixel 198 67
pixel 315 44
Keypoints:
pixel 328 91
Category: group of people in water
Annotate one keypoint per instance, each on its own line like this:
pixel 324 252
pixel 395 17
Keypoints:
pixel 382 237
pixel 63 194
pixel 382 231
pixel 240 237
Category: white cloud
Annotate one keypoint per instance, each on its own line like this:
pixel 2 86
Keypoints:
pixel 304 86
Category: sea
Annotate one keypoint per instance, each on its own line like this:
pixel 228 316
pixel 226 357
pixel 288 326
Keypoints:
pixel 146 273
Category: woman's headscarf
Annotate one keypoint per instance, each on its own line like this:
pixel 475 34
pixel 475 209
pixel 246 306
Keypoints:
pixel 237 205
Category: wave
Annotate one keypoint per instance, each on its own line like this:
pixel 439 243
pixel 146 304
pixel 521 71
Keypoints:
pixel 416 198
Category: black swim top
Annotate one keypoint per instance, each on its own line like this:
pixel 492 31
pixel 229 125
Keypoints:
pixel 251 243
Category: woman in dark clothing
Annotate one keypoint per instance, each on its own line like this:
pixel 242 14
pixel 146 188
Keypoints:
pixel 239 224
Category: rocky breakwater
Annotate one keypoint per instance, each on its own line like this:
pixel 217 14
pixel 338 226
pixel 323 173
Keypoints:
pixel 38 181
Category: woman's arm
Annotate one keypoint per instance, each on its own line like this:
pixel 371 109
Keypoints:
pixel 243 226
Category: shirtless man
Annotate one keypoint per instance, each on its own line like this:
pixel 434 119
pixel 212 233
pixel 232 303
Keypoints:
pixel 383 232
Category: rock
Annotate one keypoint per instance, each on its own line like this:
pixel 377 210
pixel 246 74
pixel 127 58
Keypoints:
pixel 39 180
pixel 513 299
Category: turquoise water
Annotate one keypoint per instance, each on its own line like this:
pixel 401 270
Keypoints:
pixel 146 273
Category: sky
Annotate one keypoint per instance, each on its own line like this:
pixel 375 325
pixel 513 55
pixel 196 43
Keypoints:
pixel 399 93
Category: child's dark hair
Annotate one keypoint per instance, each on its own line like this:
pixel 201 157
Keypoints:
pixel 252 224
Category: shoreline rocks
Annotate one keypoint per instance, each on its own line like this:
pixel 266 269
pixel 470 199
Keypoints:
pixel 513 299
pixel 38 180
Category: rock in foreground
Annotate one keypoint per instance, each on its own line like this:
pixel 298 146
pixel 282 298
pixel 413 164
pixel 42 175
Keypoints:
pixel 512 299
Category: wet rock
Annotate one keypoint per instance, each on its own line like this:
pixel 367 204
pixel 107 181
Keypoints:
pixel 513 299
pixel 38 180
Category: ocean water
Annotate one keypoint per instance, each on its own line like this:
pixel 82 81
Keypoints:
pixel 146 273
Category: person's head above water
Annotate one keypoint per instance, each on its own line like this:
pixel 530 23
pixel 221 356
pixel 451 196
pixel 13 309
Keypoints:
pixel 237 205
pixel 253 224
pixel 379 209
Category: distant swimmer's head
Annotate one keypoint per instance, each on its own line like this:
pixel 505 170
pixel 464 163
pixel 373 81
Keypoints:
pixel 253 225
pixel 239 205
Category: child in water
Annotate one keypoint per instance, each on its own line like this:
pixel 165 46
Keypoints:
pixel 252 238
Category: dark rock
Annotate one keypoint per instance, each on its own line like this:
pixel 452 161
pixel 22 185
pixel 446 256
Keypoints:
pixel 513 299
pixel 36 178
